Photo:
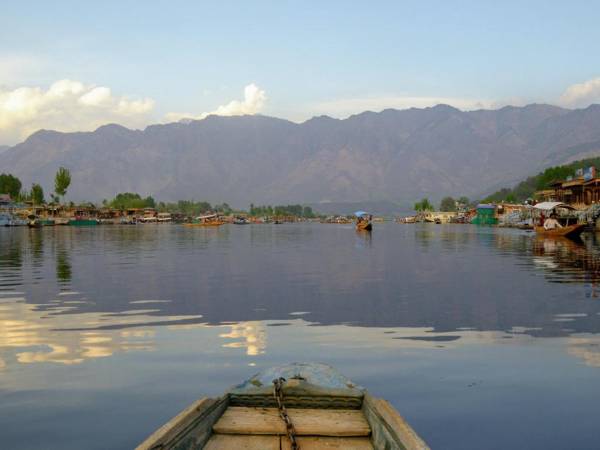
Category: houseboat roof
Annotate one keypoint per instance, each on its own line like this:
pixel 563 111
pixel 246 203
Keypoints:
pixel 547 206
pixel 578 182
pixel 593 181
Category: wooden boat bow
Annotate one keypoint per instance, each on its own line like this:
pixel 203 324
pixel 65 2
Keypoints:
pixel 327 410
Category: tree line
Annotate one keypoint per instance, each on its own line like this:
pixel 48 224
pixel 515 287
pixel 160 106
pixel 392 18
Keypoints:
pixel 11 185
pixel 282 210
pixel 448 204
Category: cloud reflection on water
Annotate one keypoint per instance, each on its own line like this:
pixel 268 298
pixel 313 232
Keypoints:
pixel 452 286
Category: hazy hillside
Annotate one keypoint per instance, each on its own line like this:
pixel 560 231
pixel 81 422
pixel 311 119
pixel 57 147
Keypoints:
pixel 394 156
pixel 543 180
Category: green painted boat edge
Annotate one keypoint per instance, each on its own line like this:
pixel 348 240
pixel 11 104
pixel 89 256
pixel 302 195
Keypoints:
pixel 83 222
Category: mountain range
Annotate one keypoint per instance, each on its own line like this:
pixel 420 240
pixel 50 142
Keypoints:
pixel 395 156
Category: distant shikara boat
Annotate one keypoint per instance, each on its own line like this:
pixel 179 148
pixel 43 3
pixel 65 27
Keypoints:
pixel 211 220
pixel 363 221
pixel 297 406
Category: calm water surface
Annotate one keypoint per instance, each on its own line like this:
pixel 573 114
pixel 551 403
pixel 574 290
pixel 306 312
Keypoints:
pixel 482 338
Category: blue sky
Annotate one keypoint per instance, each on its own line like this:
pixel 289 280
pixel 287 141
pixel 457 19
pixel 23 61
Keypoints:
pixel 305 58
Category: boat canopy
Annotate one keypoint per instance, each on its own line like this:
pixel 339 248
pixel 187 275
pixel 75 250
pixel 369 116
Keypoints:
pixel 361 213
pixel 547 206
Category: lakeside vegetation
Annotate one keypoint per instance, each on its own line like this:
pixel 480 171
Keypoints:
pixel 282 210
pixel 527 188
pixel 448 204
pixel 11 185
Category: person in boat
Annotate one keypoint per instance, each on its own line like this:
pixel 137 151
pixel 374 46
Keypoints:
pixel 551 223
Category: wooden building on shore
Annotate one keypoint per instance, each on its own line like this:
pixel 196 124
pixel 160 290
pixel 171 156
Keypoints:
pixel 579 193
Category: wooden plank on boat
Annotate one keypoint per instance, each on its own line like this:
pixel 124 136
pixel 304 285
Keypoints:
pixel 191 428
pixel 329 443
pixel 315 422
pixel 241 442
pixel 388 426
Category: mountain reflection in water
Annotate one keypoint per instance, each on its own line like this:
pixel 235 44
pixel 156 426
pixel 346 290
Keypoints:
pixel 142 293
pixel 446 278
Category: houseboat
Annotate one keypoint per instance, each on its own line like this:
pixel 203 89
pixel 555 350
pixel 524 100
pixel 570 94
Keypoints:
pixel 164 217
pixel 149 216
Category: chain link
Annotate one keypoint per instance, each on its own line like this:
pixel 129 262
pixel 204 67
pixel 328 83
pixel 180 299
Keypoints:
pixel 289 426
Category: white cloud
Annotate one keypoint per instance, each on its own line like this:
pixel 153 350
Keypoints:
pixel 582 94
pixel 349 106
pixel 66 106
pixel 253 102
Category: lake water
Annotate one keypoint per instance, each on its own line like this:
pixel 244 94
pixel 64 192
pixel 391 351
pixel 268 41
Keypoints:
pixel 482 338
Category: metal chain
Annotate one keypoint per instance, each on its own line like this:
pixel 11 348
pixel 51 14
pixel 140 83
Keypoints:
pixel 289 426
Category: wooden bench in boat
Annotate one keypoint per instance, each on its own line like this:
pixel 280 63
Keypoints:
pixel 324 417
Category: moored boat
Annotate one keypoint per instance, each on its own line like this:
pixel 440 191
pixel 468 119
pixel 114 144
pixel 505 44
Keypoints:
pixel 240 220
pixel 297 406
pixel 35 223
pixel 408 219
pixel 210 220
pixel 164 217
pixel 5 220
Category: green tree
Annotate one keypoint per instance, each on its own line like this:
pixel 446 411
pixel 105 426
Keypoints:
pixel 543 180
pixel 149 202
pixel 423 205
pixel 448 204
pixel 126 200
pixel 307 212
pixel 10 185
pixel 223 208
pixel 37 194
pixel 62 181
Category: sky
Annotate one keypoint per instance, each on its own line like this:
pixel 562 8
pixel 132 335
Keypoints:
pixel 73 65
